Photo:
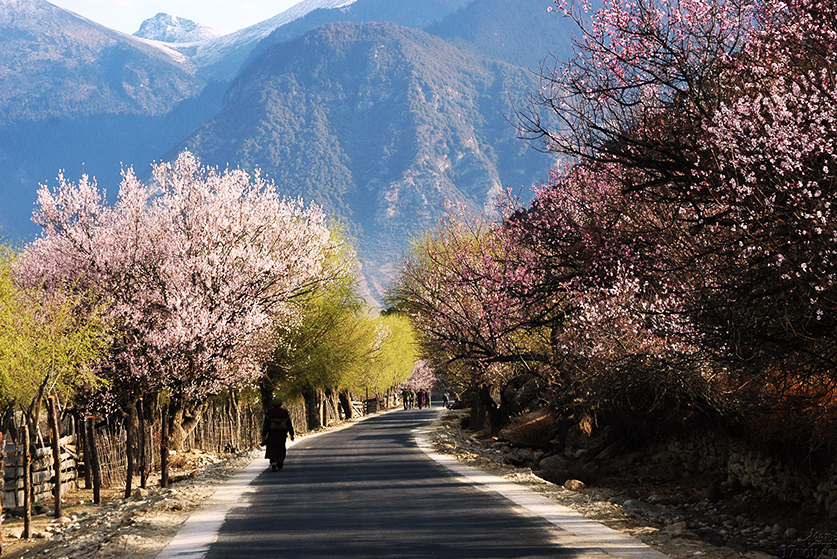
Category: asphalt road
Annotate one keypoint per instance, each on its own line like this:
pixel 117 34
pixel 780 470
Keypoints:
pixel 369 491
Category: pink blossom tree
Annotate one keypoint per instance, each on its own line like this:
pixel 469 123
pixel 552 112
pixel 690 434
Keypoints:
pixel 457 284
pixel 713 122
pixel 683 256
pixel 421 378
pixel 472 302
pixel 623 343
pixel 196 268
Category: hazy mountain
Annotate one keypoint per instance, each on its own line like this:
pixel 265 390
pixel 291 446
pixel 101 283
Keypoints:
pixel 172 29
pixel 383 125
pixel 520 32
pixel 54 63
pixel 220 59
pixel 409 13
pixel 78 96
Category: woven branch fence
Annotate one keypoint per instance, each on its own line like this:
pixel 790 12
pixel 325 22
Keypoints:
pixel 221 428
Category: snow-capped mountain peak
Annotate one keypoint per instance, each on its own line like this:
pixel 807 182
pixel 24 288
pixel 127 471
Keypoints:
pixel 214 51
pixel 172 29
pixel 222 51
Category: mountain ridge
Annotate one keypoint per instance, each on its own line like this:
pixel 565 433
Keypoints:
pixel 47 50
pixel 384 123
pixel 381 124
pixel 221 58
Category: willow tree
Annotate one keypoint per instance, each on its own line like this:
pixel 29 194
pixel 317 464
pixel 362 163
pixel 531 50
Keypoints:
pixel 48 344
pixel 324 349
pixel 395 353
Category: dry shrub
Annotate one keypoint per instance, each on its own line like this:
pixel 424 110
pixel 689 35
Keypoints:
pixel 531 429
pixel 798 412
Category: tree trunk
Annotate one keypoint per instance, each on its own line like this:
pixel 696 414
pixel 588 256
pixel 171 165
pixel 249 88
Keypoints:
pixel 237 441
pixel 35 431
pixel 266 388
pixel 484 413
pixel 94 461
pixel 34 441
pixel 27 483
pixel 346 405
pixel 164 446
pixel 56 453
pixel 312 409
pixel 184 420
pixel 477 418
pixel 85 450
pixel 491 411
pixel 329 407
pixel 142 450
pixel 129 449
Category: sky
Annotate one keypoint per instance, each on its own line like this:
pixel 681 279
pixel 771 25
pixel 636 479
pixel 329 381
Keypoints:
pixel 127 15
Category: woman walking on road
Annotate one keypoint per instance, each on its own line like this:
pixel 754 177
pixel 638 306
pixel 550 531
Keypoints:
pixel 275 430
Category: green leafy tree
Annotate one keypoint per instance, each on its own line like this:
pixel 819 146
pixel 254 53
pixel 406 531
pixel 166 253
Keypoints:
pixel 396 352
pixel 48 340
pixel 337 344
pixel 323 348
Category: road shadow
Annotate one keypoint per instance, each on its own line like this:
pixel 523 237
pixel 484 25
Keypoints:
pixel 368 491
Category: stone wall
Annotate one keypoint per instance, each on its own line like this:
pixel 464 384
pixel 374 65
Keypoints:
pixel 750 467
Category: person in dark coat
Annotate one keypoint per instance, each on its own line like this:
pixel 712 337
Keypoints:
pixel 275 430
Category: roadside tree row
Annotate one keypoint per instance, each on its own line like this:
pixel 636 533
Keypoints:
pixel 680 260
pixel 196 283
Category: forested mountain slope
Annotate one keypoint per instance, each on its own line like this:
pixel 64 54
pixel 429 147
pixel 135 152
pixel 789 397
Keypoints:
pixel 383 125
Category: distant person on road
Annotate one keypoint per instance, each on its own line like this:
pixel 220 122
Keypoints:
pixel 275 430
pixel 446 399
pixel 421 395
pixel 427 399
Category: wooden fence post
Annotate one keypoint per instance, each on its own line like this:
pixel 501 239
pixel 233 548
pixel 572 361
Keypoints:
pixel 94 461
pixel 164 446
pixel 56 453
pixel 27 482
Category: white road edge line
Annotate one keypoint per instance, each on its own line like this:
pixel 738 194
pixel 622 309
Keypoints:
pixel 574 530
